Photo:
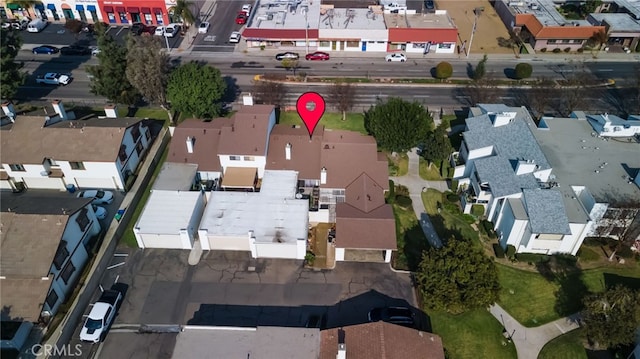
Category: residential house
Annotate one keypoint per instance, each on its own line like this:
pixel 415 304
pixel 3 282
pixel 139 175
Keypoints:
pixel 54 152
pixel 46 239
pixel 391 342
pixel 538 186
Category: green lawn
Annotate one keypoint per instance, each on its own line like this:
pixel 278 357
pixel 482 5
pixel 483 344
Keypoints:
pixel 354 121
pixel 429 173
pixel 445 222
pixel 128 237
pixel 475 334
pixel 398 166
pixel 144 112
pixel 411 240
pixel 567 346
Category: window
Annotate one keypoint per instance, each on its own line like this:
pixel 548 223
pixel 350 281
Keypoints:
pixel 234 158
pixel 50 162
pixel 353 43
pixel 52 298
pixel 61 255
pixel 17 167
pixel 122 155
pixel 565 41
pixel 83 219
pixel 135 132
pixel 324 44
pixel 139 148
pixel 551 41
pixel 249 158
pixel 67 272
pixel 147 135
pixel 77 165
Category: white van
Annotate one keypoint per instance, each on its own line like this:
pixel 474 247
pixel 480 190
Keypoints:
pixel 36 25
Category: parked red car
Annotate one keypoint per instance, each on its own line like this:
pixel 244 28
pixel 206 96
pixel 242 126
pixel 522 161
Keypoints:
pixel 241 19
pixel 318 55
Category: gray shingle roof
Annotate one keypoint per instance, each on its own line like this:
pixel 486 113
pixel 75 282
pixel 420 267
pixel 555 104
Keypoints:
pixel 546 211
pixel 502 179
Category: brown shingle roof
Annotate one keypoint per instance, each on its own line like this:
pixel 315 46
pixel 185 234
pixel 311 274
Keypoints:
pixel 248 135
pixel 305 152
pixel 381 340
pixel 364 194
pixel 359 230
pixel 29 142
pixel 24 297
pixel 205 147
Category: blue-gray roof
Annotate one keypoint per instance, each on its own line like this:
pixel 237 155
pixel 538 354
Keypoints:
pixel 501 176
pixel 546 211
pixel 617 21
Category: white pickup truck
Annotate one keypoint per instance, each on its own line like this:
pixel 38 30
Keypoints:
pixel 54 78
pixel 101 316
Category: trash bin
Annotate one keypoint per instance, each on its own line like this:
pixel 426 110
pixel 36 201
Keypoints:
pixel 71 188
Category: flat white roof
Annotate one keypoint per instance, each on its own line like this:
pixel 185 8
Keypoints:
pixel 275 14
pixel 176 176
pixel 167 212
pixel 345 18
pixel 272 212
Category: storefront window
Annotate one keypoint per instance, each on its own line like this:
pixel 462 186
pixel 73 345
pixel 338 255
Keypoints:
pixel 94 16
pixel 159 19
pixel 148 19
pixel 112 17
pixel 325 44
pixel 353 43
pixel 123 18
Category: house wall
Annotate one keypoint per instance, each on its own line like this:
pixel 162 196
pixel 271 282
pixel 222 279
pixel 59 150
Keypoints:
pixel 133 158
pixel 209 175
pixel 78 256
pixel 277 250
pixel 152 240
pixel 558 44
pixel 103 175
pixel 33 178
pixel 543 175
pixel 321 216
pixel 258 162
pixel 509 229
pixel 224 243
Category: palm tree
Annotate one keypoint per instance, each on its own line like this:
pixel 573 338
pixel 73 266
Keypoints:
pixel 25 4
pixel 600 38
pixel 182 10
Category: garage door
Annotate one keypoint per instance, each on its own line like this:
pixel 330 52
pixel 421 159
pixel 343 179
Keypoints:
pixel 105 183
pixel 44 182
pixel 229 243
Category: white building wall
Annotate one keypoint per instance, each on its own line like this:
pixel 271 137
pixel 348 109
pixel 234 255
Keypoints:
pixel 5 185
pixel 209 175
pixel 543 175
pixel 224 243
pixel 321 216
pixel 480 152
pixel 103 173
pixel 571 242
pixel 33 178
pixel 258 162
pixel 168 241
pixel 277 250
pixel 339 254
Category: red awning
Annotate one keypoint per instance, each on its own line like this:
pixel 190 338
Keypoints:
pixel 121 9
pixel 157 10
pixel 145 10
pixel 134 10
pixel 108 9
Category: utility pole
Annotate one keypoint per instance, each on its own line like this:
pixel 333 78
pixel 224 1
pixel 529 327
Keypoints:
pixel 306 30
pixel 476 11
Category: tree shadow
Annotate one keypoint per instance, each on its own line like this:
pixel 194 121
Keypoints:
pixel 231 91
pixel 510 73
pixel 470 70
pixel 414 244
pixel 610 280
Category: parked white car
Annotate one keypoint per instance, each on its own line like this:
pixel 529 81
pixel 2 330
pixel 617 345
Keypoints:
pixel 397 57
pixel 99 196
pixel 159 31
pixel 204 27
pixel 246 8
pixel 235 37
pixel 95 50
pixel 54 78
pixel 171 30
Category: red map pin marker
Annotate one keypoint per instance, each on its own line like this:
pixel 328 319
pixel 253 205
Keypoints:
pixel 310 108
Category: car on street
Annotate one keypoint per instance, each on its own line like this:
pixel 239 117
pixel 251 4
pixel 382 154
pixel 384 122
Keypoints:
pixel 95 50
pixel 159 31
pixel 287 55
pixel 99 196
pixel 45 49
pixel 16 24
pixel 171 30
pixel 397 57
pixel 204 27
pixel 54 78
pixel 234 38
pixel 318 55
pixel 75 50
pixel 101 212
pixel 101 316
pixel 246 8
pixel 138 28
pixel 241 18
pixel 395 315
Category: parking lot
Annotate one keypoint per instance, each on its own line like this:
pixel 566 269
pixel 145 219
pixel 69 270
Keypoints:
pixel 232 289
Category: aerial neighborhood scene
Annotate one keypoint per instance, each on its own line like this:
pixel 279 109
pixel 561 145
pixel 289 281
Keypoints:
pixel 320 179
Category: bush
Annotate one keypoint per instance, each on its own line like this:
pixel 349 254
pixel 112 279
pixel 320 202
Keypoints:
pixel 544 49
pixel 557 50
pixel 511 251
pixel 532 257
pixel 454 185
pixel 567 49
pixel 444 169
pixel 488 227
pixel 498 250
pixel 451 207
pixel 450 172
pixel 477 210
pixel 580 50
pixel 403 201
pixel 391 196
pixel 523 70
pixel 402 191
pixel 469 218
pixel 444 70
pixel 452 197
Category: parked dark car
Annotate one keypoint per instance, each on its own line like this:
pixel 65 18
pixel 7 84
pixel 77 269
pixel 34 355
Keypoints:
pixel 139 28
pixel 287 55
pixel 75 50
pixel 429 5
pixel 396 315
pixel 318 55
pixel 46 49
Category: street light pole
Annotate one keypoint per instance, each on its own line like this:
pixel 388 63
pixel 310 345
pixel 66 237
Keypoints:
pixel 473 31
pixel 306 30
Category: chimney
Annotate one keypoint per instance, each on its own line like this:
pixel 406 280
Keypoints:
pixel 190 142
pixel 59 108
pixel 287 152
pixel 111 110
pixel 342 351
pixel 8 109
pixel 247 100
pixel 323 175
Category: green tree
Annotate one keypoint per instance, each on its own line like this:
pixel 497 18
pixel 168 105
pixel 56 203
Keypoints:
pixel 457 277
pixel 74 26
pixel 599 38
pixel 343 95
pixel 10 77
pixel 589 7
pixel 196 89
pixel 291 64
pixel 481 68
pixel 109 77
pixel 612 317
pixel 148 69
pixel 182 11
pixel 523 70
pixel 444 70
pixel 437 146
pixel 398 125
